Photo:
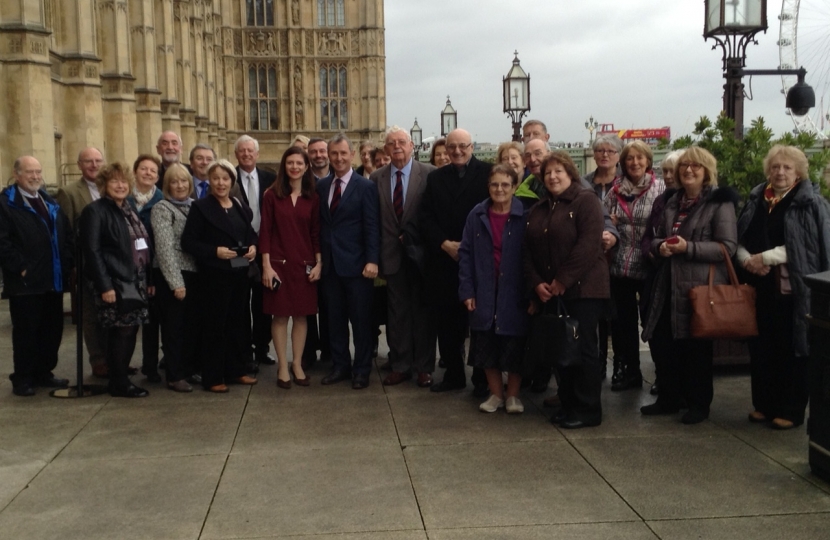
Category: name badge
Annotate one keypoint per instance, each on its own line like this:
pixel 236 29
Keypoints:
pixel 140 244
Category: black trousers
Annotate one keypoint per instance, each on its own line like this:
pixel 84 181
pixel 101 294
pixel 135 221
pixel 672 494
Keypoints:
pixel 150 333
pixel 625 332
pixel 120 347
pixel 684 367
pixel 178 328
pixel 224 323
pixel 349 300
pixel 261 323
pixel 37 329
pixel 451 323
pixel 580 386
pixel 779 377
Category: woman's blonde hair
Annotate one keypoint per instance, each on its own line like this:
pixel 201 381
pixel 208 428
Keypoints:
pixel 702 156
pixel 176 171
pixel 642 148
pixel 225 164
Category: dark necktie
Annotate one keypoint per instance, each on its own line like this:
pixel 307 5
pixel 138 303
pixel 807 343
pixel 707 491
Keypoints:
pixel 335 198
pixel 397 195
pixel 40 208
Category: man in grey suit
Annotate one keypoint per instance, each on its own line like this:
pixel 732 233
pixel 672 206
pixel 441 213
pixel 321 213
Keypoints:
pixel 401 185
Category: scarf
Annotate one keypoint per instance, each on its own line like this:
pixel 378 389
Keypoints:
pixel 629 191
pixel 185 202
pixel 140 258
pixel 685 208
pixel 772 198
pixel 143 198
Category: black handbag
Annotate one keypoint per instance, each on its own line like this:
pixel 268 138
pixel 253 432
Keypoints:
pixel 128 297
pixel 553 339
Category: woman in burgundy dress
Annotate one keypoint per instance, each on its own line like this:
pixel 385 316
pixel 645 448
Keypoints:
pixel 289 240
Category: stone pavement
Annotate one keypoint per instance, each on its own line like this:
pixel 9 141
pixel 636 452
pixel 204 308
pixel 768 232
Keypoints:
pixel 400 463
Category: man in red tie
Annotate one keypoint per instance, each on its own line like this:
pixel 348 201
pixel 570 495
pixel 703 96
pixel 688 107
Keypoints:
pixel 349 237
pixel 401 184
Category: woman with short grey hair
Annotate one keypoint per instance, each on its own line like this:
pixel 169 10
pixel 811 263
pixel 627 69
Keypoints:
pixel 607 150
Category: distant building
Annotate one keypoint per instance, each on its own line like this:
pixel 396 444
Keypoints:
pixel 114 74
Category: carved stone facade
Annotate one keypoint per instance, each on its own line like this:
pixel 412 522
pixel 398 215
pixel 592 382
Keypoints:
pixel 114 74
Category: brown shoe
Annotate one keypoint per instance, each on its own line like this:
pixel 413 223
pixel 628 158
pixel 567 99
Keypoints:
pixel 782 423
pixel 218 389
pixel 552 401
pixel 757 417
pixel 397 377
pixel 101 371
pixel 245 379
pixel 285 385
pixel 424 380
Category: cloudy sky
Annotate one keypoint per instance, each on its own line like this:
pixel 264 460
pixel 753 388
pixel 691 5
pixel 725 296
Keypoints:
pixel 633 63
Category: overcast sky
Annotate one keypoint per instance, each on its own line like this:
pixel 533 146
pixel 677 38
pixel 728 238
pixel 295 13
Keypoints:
pixel 633 63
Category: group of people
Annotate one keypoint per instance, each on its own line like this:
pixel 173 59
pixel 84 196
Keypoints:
pixel 216 258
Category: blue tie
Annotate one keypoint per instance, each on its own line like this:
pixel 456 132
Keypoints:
pixel 202 189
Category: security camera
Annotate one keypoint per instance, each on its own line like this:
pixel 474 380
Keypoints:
pixel 801 98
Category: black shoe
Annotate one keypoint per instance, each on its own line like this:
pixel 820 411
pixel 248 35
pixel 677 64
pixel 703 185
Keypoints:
pixel 654 389
pixel 447 386
pixel 131 391
pixel 618 372
pixel 23 390
pixel 265 359
pixel 195 379
pixel 336 376
pixel 309 359
pixel 629 379
pixel 538 387
pixel 694 416
pixel 657 409
pixel 152 376
pixel 375 352
pixel 577 424
pixel 480 391
pixel 52 382
pixel 559 417
pixel 441 363
pixel 359 382
pixel 252 368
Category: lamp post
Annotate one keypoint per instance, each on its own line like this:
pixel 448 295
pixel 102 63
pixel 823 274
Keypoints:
pixel 733 25
pixel 516 94
pixel 449 119
pixel 417 138
pixel 591 125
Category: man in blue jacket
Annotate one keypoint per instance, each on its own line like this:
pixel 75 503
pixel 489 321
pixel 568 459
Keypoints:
pixel 36 256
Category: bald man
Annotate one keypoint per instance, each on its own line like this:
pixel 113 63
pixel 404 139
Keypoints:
pixel 451 193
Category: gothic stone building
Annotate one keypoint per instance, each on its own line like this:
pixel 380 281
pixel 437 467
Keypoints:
pixel 114 74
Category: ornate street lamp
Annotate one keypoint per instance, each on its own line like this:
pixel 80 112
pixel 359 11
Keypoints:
pixel 516 94
pixel 417 138
pixel 449 119
pixel 591 125
pixel 733 25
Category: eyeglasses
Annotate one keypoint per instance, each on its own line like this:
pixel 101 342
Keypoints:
pixel 500 185
pixel 605 151
pixel 454 147
pixel 683 165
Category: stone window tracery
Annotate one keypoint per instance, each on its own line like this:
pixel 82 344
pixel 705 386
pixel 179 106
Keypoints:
pixel 331 12
pixel 260 12
pixel 334 108
pixel 262 98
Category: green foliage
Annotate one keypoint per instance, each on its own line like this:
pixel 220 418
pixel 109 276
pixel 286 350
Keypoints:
pixel 741 162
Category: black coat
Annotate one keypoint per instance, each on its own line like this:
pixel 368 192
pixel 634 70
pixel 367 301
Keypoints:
pixel 209 227
pixel 28 243
pixel 106 245
pixel 446 202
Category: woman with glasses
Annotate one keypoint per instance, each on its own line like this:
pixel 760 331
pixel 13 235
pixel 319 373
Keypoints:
pixel 784 234
pixel 491 286
pixel 629 203
pixel 607 150
pixel 699 218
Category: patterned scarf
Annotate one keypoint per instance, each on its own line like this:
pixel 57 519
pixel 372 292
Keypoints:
pixel 143 198
pixel 773 199
pixel 686 206
pixel 140 258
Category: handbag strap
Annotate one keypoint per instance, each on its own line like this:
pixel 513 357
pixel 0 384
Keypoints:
pixel 733 277
pixel 561 310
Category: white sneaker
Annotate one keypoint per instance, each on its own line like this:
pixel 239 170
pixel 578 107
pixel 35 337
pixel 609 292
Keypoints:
pixel 492 404
pixel 514 405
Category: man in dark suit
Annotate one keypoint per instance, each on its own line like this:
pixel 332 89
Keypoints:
pixel 451 193
pixel 169 148
pixel 349 241
pixel 251 186
pixel 401 185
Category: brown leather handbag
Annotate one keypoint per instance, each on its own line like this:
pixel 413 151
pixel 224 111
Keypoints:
pixel 723 311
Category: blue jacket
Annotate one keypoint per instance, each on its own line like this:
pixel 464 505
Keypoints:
pixel 27 242
pixel 476 272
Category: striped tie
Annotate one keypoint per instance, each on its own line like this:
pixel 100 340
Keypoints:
pixel 335 198
pixel 397 196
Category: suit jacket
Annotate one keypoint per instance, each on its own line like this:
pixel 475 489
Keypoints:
pixel 72 199
pixel 350 238
pixel 266 178
pixel 392 250
pixel 447 201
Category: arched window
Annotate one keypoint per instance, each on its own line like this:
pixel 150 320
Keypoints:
pixel 260 12
pixel 262 98
pixel 331 12
pixel 334 112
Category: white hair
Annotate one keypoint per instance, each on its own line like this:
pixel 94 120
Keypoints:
pixel 244 139
pixel 396 129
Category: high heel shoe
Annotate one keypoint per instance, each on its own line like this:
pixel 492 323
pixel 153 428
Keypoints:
pixel 300 382
pixel 285 385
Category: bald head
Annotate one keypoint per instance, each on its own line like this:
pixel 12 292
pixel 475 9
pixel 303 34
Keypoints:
pixel 459 147
pixel 536 150
pixel 90 161
pixel 28 174
pixel 169 147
